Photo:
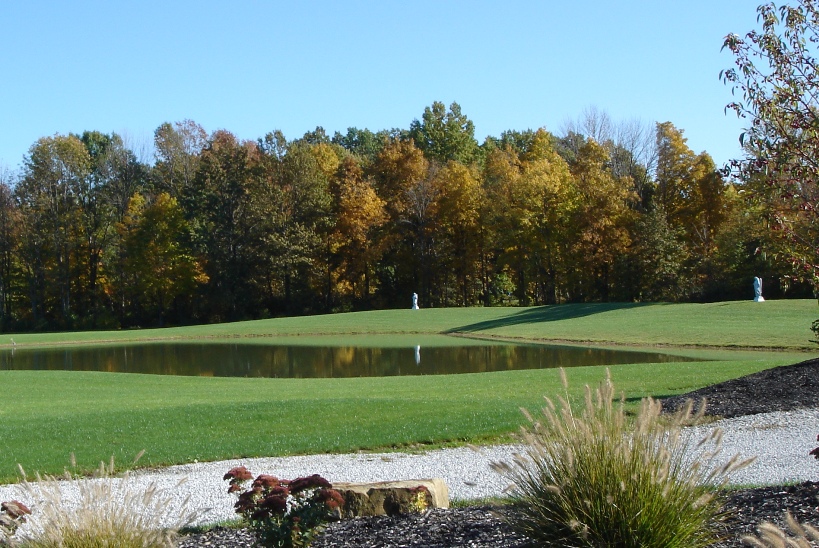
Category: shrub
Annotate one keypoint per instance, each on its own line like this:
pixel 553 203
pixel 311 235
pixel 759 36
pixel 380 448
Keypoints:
pixel 71 512
pixel 595 479
pixel 284 513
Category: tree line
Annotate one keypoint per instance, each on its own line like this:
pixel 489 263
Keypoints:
pixel 214 228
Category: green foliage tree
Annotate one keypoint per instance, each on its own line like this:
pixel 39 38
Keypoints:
pixel 361 142
pixel 661 256
pixel 445 135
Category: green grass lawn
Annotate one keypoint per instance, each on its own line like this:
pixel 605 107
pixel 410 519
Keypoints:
pixel 44 416
pixel 773 324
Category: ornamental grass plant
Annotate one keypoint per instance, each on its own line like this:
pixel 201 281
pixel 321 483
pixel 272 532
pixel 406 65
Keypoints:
pixel 103 511
pixel 802 535
pixel 597 478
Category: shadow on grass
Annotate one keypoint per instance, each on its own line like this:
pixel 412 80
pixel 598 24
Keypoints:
pixel 550 313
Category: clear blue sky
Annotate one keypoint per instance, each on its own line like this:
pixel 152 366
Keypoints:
pixel 254 66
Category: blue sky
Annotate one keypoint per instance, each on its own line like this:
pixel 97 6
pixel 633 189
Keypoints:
pixel 254 66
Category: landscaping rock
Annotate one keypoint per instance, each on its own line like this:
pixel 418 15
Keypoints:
pixel 390 498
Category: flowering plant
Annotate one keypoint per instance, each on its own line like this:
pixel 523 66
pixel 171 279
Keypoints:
pixel 12 514
pixel 284 514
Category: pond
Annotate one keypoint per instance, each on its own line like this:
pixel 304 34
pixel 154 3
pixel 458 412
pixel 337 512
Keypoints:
pixel 317 357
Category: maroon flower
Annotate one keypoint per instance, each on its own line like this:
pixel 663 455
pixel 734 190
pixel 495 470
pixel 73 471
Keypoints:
pixel 279 490
pixel 266 481
pixel 15 509
pixel 260 514
pixel 275 503
pixel 246 501
pixel 310 482
pixel 238 473
pixel 331 498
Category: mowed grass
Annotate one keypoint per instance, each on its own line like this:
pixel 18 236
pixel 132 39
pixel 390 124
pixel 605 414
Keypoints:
pixel 774 324
pixel 45 416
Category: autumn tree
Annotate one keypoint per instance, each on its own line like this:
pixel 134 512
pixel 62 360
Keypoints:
pixel 360 214
pixel 54 182
pixel 459 203
pixel 601 223
pixel 400 173
pixel 776 87
pixel 301 212
pixel 226 211
pixel 9 242
pixel 529 199
pixel 399 166
pixel 630 144
pixel 178 147
pixel 161 269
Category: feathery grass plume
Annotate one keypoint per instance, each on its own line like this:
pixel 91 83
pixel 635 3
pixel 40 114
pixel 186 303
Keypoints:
pixel 72 512
pixel 595 478
pixel 771 536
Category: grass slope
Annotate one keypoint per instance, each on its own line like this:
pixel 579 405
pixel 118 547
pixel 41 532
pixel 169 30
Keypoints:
pixel 773 324
pixel 46 415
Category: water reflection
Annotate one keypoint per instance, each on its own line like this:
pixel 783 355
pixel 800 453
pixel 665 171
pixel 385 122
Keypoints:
pixel 243 360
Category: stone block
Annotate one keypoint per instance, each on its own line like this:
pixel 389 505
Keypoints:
pixel 392 497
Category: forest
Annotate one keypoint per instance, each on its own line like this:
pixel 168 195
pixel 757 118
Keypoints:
pixel 210 228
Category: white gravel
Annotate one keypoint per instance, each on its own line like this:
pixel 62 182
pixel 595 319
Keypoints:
pixel 780 441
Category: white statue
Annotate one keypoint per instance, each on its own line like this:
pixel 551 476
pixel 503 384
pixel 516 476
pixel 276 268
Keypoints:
pixel 758 290
pixel 415 301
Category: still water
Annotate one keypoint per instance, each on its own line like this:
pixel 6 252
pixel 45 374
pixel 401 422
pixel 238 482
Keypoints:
pixel 355 357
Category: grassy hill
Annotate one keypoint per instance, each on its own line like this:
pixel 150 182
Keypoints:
pixel 45 416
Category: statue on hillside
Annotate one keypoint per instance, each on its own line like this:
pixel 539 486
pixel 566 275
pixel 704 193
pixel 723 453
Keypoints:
pixel 758 290
pixel 415 301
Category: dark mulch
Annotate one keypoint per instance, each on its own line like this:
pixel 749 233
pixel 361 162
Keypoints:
pixel 779 389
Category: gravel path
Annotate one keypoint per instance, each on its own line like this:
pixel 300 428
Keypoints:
pixel 781 441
